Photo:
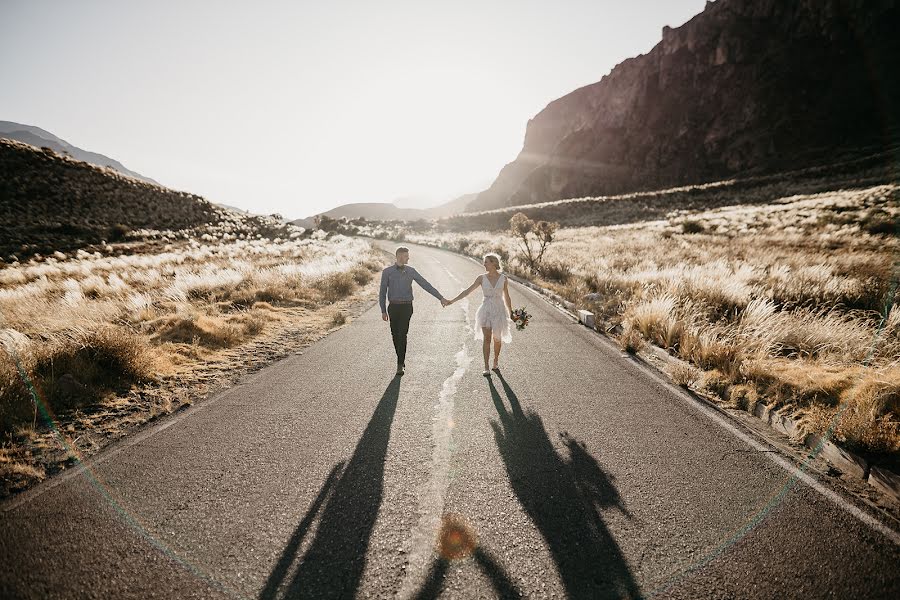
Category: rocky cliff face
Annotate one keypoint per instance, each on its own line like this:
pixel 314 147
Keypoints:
pixel 745 87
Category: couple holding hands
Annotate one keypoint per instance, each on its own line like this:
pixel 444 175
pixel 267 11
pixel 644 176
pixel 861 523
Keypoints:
pixel 492 321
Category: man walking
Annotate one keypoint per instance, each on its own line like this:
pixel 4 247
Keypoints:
pixel 396 287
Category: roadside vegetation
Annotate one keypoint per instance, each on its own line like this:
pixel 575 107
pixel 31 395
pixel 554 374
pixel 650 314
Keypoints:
pixel 83 333
pixel 122 300
pixel 792 303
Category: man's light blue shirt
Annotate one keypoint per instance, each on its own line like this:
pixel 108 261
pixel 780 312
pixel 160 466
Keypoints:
pixel 396 284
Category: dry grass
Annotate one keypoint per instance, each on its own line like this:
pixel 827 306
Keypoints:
pixel 80 332
pixel 630 340
pixel 792 303
pixel 17 474
pixel 684 375
pixel 68 371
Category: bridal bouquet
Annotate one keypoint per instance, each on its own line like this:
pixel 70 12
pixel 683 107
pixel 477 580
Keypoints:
pixel 521 318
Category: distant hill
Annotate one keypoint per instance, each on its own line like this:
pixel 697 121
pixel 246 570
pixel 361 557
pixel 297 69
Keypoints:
pixel 745 88
pixel 385 211
pixel 36 136
pixel 374 211
pixel 50 202
pixel 454 207
pixel 306 223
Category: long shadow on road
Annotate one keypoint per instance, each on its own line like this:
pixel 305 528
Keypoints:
pixel 563 496
pixel 503 586
pixel 349 501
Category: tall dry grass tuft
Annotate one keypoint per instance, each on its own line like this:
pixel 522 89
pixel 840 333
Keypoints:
pixel 685 375
pixel 713 350
pixel 873 397
pixel 654 318
pixel 70 371
pixel 335 286
pixel 630 340
pixel 194 328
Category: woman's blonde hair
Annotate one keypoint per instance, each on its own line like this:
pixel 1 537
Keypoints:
pixel 494 257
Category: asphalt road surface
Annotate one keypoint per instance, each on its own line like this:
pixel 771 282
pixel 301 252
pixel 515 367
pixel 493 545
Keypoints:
pixel 574 474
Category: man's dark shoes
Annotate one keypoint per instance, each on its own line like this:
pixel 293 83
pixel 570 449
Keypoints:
pixel 401 369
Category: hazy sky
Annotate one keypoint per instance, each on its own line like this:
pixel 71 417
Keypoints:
pixel 296 107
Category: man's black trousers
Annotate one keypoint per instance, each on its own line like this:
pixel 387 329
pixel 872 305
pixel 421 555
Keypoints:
pixel 400 314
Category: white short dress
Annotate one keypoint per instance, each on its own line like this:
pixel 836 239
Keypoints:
pixel 493 312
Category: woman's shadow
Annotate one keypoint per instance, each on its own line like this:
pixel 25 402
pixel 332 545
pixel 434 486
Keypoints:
pixel 348 502
pixel 563 496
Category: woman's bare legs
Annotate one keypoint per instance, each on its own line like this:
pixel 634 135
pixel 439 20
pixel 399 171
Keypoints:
pixel 497 344
pixel 486 346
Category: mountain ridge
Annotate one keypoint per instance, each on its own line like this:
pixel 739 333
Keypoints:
pixel 35 136
pixel 744 87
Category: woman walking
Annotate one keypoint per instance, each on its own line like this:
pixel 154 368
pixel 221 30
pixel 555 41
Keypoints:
pixel 493 318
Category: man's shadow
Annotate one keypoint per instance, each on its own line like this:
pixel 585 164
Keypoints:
pixel 348 502
pixel 563 496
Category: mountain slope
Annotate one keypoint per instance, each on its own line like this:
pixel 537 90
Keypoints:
pixel 745 87
pixel 385 211
pixel 36 136
pixel 454 207
pixel 54 203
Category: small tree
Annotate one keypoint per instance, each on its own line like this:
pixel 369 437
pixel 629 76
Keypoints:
pixel 533 237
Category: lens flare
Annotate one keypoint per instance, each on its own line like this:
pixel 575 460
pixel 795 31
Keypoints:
pixel 457 538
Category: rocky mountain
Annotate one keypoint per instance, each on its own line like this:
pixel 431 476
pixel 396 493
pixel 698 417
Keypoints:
pixel 746 87
pixel 36 136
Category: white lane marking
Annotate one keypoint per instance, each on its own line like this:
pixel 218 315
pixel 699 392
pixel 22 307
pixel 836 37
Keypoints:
pixel 776 458
pixel 421 542
pixel 450 274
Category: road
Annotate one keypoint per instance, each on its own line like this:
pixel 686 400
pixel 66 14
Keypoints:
pixel 575 474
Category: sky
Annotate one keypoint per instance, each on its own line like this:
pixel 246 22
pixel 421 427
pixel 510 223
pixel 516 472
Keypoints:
pixel 298 107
